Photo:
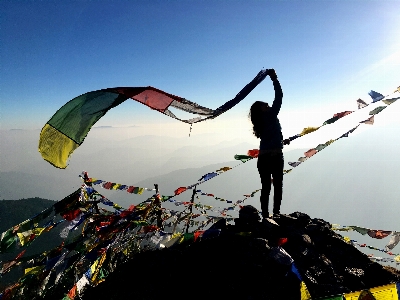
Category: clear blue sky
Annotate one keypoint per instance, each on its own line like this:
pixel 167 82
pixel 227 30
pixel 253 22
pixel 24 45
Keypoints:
pixel 326 53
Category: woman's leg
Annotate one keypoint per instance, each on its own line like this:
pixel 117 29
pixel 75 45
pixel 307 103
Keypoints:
pixel 263 166
pixel 277 175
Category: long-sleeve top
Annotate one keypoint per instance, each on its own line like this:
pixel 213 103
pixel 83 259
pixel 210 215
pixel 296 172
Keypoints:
pixel 271 136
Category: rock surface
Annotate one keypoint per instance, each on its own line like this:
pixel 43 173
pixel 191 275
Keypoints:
pixel 245 261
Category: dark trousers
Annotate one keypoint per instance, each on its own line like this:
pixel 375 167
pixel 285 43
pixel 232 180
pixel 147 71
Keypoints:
pixel 271 164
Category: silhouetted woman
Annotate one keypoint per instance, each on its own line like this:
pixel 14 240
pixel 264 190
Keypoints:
pixel 267 128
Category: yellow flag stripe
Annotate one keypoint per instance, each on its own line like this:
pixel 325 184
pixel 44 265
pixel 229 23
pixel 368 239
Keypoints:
pixel 55 147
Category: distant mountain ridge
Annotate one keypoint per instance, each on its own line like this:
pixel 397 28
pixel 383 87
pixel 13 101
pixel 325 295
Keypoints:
pixel 13 212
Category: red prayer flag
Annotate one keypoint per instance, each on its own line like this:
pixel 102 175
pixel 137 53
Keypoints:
pixel 310 152
pixel 72 293
pixel 107 185
pixel 342 114
pixel 198 234
pixel 378 234
pixel 253 153
pixel 71 215
pixel 180 190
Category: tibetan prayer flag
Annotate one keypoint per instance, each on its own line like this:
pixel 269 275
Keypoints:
pixel 135 190
pixel 305 294
pixel 331 120
pixel 81 284
pixel 369 121
pixel 320 147
pixel 348 132
pixel 390 101
pixel 107 185
pixel 243 158
pixel 7 239
pixel 224 169
pixel 68 127
pixel 360 230
pixel 375 96
pixel 378 234
pixel 34 270
pixel 116 186
pixel 337 117
pixel 308 130
pixel 377 110
pixel 208 176
pixel 180 190
pixel 342 114
pixel 361 104
pixel 253 153
pixel 72 293
pixel 310 153
pixel 294 164
pixel 394 240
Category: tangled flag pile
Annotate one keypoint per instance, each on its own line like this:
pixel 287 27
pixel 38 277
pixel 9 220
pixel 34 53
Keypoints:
pixel 97 241
pixel 106 238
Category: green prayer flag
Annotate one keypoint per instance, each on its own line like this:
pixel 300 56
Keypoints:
pixel 243 158
pixel 331 120
pixel 377 110
pixel 8 239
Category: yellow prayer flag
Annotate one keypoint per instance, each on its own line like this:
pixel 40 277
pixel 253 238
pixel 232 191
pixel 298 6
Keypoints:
pixel 33 270
pixel 329 142
pixel 24 236
pixel 308 130
pixel 385 292
pixel 224 169
pixel 346 239
pixel 175 235
pixel 38 230
pixel 305 294
pixel 98 266
pixel 116 186
pixel 115 205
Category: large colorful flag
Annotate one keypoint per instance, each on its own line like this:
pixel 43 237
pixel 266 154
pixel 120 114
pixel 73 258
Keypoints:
pixel 68 127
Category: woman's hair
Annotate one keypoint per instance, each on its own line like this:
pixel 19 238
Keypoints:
pixel 256 116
